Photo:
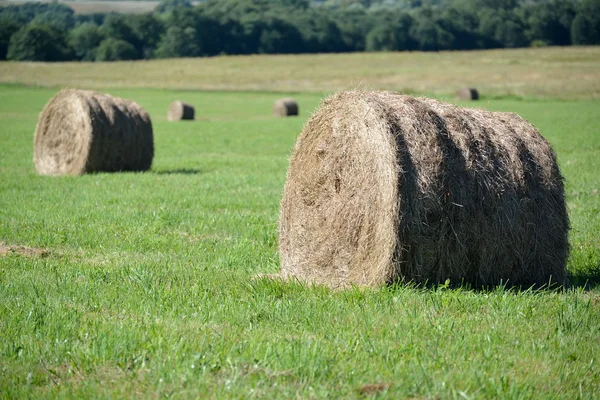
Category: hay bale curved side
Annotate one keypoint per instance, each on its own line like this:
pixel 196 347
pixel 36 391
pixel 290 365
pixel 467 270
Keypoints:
pixel 384 187
pixel 82 131
pixel 178 110
pixel 467 94
pixel 285 107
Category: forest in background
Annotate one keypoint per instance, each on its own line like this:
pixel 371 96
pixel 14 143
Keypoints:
pixel 176 28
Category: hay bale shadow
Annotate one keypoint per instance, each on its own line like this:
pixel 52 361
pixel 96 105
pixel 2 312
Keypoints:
pixel 284 283
pixel 180 171
pixel 587 280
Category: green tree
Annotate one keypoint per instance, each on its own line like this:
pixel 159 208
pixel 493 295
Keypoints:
pixel 501 28
pixel 85 40
pixel 381 38
pixel 323 34
pixel 166 6
pixel 59 18
pixel 232 37
pixel 95 18
pixel 118 26
pixel 178 42
pixel 584 31
pixel 354 26
pixel 35 42
pixel 210 35
pixel 462 24
pixel 550 22
pixel 390 31
pixel 47 13
pixel 7 28
pixel 428 34
pixel 278 36
pixel 148 31
pixel 585 28
pixel 112 49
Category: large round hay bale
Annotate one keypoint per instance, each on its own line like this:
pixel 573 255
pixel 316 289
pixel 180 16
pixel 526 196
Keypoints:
pixel 467 94
pixel 384 187
pixel 178 110
pixel 285 107
pixel 82 131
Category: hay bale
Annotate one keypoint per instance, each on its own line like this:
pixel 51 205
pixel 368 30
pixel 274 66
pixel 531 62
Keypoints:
pixel 178 110
pixel 82 131
pixel 467 94
pixel 285 107
pixel 383 187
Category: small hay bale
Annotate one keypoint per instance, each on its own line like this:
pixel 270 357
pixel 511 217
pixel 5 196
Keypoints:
pixel 467 94
pixel 285 107
pixel 178 110
pixel 82 131
pixel 383 187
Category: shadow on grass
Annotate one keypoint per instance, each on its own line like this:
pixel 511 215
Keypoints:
pixel 275 285
pixel 586 279
pixel 179 171
pixel 589 279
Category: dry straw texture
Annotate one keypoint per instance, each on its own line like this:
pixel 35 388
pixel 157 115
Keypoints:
pixel 81 131
pixel 384 187
pixel 285 107
pixel 179 110
pixel 467 94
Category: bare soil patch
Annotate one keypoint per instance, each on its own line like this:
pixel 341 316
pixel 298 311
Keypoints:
pixel 373 389
pixel 6 250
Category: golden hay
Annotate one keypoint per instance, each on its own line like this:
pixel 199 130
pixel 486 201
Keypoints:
pixel 178 110
pixel 467 94
pixel 285 107
pixel 383 187
pixel 82 131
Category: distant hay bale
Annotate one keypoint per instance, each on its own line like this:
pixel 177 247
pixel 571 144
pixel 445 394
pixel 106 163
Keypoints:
pixel 467 94
pixel 178 110
pixel 285 107
pixel 82 131
pixel 383 187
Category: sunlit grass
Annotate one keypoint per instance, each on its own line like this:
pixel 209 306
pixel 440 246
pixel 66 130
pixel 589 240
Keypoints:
pixel 555 72
pixel 149 287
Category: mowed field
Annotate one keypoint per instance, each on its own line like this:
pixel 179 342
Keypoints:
pixel 101 6
pixel 553 72
pixel 144 284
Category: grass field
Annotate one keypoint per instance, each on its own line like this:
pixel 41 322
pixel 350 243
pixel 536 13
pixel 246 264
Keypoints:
pixel 100 6
pixel 555 72
pixel 141 284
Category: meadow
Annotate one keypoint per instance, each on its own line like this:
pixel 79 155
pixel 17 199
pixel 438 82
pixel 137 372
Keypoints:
pixel 145 284
pixel 553 72
pixel 101 6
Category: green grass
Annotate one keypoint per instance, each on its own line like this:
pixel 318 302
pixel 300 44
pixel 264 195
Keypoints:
pixel 147 291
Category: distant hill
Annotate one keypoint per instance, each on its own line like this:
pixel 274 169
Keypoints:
pixel 101 6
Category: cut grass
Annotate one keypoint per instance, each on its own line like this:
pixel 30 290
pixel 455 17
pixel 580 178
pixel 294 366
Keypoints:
pixel 555 72
pixel 147 288
pixel 100 6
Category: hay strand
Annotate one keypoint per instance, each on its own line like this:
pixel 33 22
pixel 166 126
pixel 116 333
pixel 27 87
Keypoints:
pixel 178 110
pixel 82 131
pixel 384 187
pixel 285 107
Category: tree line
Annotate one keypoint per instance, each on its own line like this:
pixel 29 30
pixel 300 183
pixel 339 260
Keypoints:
pixel 52 32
